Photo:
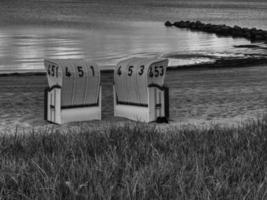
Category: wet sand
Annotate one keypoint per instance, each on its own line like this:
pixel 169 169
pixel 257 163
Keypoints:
pixel 197 96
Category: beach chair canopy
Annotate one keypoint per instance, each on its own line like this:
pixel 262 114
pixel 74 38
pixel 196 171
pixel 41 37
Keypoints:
pixel 78 79
pixel 133 76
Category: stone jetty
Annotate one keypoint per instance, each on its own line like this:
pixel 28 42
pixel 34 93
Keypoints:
pixel 252 34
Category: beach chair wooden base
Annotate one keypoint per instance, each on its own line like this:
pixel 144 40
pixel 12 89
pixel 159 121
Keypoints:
pixel 63 114
pixel 154 109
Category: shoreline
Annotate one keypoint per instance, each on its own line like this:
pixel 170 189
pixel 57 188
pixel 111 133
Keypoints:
pixel 222 63
pixel 39 73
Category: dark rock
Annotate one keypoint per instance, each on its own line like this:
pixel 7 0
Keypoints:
pixel 208 28
pixel 237 27
pixel 168 23
pixel 258 37
pixel 237 31
pixel 256 34
pixel 187 24
pixel 199 25
pixel 253 31
pixel 192 25
pixel 182 24
pixel 245 29
pixel 247 34
pixel 226 30
pixel 178 24
pixel 219 29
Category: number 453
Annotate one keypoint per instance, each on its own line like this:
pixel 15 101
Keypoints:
pixel 156 71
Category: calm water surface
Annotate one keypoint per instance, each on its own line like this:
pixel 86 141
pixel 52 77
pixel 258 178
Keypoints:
pixel 107 31
pixel 25 48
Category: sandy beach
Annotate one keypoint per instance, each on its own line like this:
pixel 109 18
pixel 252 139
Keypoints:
pixel 198 96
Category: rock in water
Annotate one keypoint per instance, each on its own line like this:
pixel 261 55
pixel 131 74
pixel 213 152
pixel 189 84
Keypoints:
pixel 168 23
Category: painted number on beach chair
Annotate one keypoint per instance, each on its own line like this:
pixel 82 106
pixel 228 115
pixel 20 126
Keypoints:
pixel 93 70
pixel 130 70
pixel 119 71
pixel 142 67
pixel 52 70
pixel 67 73
pixel 161 70
pixel 156 71
pixel 150 72
pixel 80 71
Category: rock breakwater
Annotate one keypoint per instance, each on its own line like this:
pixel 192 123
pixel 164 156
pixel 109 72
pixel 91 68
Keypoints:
pixel 252 34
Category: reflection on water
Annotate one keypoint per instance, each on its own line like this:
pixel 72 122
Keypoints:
pixel 24 48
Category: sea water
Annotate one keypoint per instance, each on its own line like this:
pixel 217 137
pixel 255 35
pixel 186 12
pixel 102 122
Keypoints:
pixel 107 31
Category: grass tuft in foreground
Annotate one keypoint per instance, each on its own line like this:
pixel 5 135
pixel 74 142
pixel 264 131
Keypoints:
pixel 136 162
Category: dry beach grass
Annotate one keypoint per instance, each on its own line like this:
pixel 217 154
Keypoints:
pixel 136 162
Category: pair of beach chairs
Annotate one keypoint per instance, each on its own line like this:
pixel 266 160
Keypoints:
pixel 75 92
